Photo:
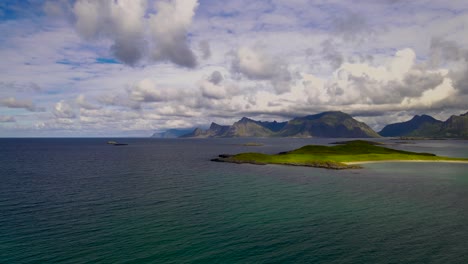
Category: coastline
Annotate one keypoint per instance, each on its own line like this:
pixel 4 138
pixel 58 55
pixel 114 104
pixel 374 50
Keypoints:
pixel 418 161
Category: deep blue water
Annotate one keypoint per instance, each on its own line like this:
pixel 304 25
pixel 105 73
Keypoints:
pixel 163 201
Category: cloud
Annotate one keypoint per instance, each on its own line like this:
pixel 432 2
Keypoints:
pixel 399 79
pixel 146 91
pixel 119 100
pixel 121 21
pixel 57 8
pixel 63 110
pixel 82 102
pixel 443 51
pixel 169 28
pixel 7 119
pixel 12 102
pixel 211 88
pixel 331 54
pixel 351 26
pixel 134 34
pixel 216 77
pixel 205 49
pixel 20 87
pixel 258 65
pixel 294 58
pixel 451 54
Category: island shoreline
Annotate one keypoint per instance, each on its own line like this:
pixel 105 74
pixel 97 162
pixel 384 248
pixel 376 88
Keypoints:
pixel 405 161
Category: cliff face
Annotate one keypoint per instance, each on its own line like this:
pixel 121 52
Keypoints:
pixel 250 128
pixel 327 124
pixel 455 126
pixel 418 126
pixel 215 130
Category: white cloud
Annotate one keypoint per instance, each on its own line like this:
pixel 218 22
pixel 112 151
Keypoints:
pixel 63 110
pixel 12 102
pixel 212 90
pixel 126 24
pixel 255 64
pixel 82 102
pixel 146 91
pixel 169 28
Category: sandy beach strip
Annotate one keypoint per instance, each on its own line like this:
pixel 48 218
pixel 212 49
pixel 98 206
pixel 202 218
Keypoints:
pixel 388 161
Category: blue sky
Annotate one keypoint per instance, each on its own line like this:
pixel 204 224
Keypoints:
pixel 133 67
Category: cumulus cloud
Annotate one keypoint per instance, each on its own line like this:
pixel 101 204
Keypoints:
pixel 12 102
pixel 7 119
pixel 135 35
pixel 82 102
pixel 121 21
pixel 212 88
pixel 169 29
pixel 146 91
pixel 258 65
pixel 63 110
pixel 451 54
pixel 400 78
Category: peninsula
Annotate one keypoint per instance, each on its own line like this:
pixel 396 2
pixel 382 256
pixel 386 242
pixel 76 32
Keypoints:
pixel 345 155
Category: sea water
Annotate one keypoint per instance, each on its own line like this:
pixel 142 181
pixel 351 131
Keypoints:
pixel 163 201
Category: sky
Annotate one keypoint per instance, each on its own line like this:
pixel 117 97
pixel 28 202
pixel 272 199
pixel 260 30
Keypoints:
pixel 97 68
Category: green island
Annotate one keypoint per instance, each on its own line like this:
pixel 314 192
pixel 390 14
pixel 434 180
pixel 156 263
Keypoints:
pixel 252 144
pixel 344 155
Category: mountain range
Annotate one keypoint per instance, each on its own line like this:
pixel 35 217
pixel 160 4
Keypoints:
pixel 427 126
pixel 327 124
pixel 332 124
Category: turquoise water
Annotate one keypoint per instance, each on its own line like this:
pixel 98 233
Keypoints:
pixel 162 201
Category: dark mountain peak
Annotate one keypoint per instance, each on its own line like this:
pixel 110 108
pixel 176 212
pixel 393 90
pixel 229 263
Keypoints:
pixel 327 124
pixel 336 114
pixel 246 120
pixel 455 126
pixel 423 118
pixel 215 126
pixel 419 125
pixel 273 126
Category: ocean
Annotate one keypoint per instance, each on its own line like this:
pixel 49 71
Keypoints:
pixel 78 200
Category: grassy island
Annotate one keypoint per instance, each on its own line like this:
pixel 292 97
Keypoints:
pixel 252 144
pixel 346 155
